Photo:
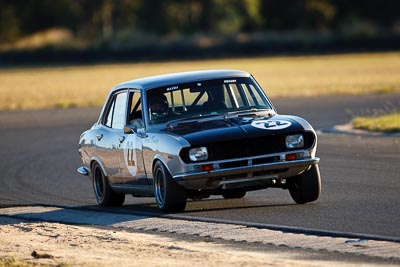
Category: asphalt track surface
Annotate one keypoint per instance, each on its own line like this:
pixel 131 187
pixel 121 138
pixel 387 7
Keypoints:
pixel 360 174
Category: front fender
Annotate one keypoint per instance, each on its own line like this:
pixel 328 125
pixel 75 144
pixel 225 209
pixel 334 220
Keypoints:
pixel 164 148
pixel 98 161
pixel 305 124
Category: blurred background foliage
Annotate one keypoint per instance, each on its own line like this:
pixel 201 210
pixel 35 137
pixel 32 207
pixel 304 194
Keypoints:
pixel 114 25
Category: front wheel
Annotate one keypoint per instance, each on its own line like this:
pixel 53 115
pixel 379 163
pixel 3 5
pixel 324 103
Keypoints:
pixel 170 197
pixel 105 196
pixel 306 187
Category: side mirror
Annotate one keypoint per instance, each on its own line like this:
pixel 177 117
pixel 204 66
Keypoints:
pixel 130 129
pixel 141 133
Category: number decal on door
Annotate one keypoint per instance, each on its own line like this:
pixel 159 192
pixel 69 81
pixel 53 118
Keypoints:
pixel 131 152
pixel 130 156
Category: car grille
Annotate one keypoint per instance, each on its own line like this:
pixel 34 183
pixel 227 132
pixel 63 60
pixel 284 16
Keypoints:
pixel 246 148
pixel 249 148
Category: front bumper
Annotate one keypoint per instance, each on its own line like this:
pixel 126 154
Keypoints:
pixel 83 171
pixel 244 175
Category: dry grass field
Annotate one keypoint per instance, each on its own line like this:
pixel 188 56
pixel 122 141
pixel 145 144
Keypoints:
pixel 70 86
pixel 388 123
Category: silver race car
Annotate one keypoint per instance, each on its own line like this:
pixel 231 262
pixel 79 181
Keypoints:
pixel 196 134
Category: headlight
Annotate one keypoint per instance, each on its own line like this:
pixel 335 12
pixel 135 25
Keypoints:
pixel 198 153
pixel 294 141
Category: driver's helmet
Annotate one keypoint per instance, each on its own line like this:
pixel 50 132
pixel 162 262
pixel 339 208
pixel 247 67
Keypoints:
pixel 158 106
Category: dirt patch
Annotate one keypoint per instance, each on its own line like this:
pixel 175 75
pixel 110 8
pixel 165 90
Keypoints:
pixel 61 244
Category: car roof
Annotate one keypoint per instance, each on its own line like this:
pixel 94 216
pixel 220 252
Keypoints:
pixel 180 77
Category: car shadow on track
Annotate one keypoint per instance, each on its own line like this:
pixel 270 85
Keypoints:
pixel 149 208
pixel 127 214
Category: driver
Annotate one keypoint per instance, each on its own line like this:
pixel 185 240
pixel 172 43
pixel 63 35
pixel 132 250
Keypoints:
pixel 158 106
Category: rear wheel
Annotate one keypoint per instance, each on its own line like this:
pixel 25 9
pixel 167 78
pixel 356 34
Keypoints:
pixel 105 196
pixel 170 197
pixel 306 187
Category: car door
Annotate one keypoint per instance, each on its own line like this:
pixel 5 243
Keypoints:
pixel 109 136
pixel 130 154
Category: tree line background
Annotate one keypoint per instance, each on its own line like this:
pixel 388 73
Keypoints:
pixel 186 25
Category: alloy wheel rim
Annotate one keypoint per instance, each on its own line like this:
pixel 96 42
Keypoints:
pixel 159 183
pixel 98 184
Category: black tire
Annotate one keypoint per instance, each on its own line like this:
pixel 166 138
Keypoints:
pixel 105 196
pixel 306 187
pixel 234 194
pixel 170 197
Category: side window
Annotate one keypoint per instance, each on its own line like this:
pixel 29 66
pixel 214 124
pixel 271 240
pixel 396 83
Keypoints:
pixel 119 116
pixel 108 119
pixel 116 114
pixel 135 112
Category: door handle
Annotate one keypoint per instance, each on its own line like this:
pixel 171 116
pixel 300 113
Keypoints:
pixel 99 136
pixel 121 139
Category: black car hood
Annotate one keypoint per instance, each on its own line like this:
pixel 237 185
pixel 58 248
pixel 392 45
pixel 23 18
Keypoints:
pixel 219 130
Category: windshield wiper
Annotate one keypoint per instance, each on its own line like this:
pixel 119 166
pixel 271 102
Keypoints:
pixel 250 111
pixel 191 119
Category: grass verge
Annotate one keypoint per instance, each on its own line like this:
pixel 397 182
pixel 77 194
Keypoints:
pixel 387 123
pixel 82 86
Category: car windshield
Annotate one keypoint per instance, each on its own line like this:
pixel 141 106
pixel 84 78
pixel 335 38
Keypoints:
pixel 203 99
